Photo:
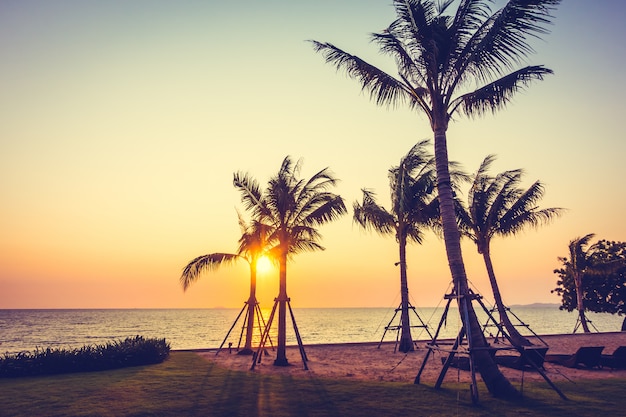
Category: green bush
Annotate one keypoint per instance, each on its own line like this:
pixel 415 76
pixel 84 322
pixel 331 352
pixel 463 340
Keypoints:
pixel 133 351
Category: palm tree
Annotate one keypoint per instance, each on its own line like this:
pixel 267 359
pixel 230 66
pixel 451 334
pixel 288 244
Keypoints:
pixel 251 248
pixel 414 205
pixel 497 206
pixel 440 60
pixel 292 208
pixel 578 265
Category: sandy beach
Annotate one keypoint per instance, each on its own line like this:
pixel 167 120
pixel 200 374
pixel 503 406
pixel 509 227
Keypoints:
pixel 365 361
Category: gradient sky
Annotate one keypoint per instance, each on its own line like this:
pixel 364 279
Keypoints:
pixel 122 123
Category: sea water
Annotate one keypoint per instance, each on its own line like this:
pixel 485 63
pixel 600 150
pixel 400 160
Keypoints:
pixel 27 330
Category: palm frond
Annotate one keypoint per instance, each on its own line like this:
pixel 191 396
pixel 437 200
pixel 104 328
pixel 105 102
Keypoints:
pixel 373 217
pixel 414 234
pixel 484 166
pixel 205 263
pixel 251 195
pixel 331 208
pixel 523 211
pixel 312 193
pixel 578 255
pixel 243 225
pixel 254 238
pixel 410 66
pixel 498 206
pixel 304 245
pixel 495 95
pixel 501 193
pixel 468 19
pixel 423 215
pixel 415 19
pixel 502 40
pixel 382 87
pixel 303 238
pixel 418 156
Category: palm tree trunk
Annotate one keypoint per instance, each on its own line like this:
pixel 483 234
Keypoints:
pixel 247 350
pixel 497 384
pixel 579 301
pixel 515 335
pixel 281 350
pixel 406 340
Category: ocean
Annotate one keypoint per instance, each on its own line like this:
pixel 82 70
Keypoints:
pixel 26 330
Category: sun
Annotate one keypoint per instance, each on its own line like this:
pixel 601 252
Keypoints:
pixel 263 264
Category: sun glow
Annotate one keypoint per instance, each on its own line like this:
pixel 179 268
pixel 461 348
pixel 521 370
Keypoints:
pixel 263 265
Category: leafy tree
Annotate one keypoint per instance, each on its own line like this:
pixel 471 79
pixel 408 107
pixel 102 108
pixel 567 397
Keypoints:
pixel 578 265
pixel 440 60
pixel 593 279
pixel 497 206
pixel 251 248
pixel 414 206
pixel 292 209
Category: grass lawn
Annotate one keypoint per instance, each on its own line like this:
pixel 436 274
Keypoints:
pixel 187 385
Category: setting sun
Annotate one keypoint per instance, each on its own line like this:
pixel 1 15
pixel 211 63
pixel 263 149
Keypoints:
pixel 263 265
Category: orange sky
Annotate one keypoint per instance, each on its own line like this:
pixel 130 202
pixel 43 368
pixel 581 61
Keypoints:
pixel 121 125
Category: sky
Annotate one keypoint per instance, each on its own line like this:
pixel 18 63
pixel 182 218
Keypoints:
pixel 122 123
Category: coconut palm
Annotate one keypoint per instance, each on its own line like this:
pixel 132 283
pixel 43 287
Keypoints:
pixel 578 265
pixel 251 248
pixel 440 60
pixel 497 206
pixel 292 208
pixel 413 206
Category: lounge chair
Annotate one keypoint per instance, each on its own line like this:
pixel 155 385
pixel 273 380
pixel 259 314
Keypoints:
pixel 587 356
pixel 462 361
pixel 522 362
pixel 616 360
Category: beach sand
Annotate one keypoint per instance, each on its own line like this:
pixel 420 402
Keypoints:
pixel 365 361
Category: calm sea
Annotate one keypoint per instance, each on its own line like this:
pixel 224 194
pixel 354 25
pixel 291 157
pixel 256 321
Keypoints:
pixel 25 330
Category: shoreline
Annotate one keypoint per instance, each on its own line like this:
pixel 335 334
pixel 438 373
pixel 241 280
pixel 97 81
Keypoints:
pixel 365 361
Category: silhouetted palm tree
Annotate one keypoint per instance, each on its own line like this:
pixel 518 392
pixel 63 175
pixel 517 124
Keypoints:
pixel 251 248
pixel 292 208
pixel 497 206
pixel 414 206
pixel 578 263
pixel 440 60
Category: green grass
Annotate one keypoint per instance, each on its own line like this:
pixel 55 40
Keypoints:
pixel 187 385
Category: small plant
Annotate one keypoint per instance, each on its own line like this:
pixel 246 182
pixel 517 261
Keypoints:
pixel 133 351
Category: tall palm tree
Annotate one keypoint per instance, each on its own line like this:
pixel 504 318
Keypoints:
pixel 578 264
pixel 440 60
pixel 292 208
pixel 497 206
pixel 414 205
pixel 251 248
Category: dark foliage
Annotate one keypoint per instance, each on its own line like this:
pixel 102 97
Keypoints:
pixel 133 351
pixel 603 280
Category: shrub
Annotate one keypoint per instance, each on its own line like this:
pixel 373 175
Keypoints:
pixel 133 351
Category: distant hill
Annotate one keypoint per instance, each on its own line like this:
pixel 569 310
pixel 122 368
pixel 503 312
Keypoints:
pixel 537 305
